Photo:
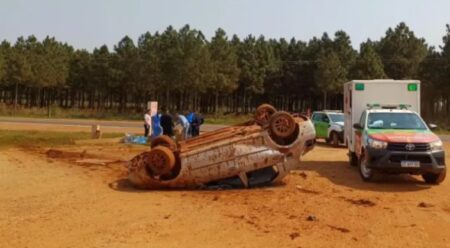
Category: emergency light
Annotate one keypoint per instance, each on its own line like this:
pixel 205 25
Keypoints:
pixel 359 86
pixel 412 87
pixel 388 106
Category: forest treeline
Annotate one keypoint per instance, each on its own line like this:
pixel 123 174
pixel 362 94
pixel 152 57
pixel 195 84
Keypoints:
pixel 225 74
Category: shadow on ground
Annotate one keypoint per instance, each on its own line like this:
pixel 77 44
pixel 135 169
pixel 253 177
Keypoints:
pixel 340 173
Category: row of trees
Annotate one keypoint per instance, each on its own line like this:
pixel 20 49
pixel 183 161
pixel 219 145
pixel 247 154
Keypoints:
pixel 183 70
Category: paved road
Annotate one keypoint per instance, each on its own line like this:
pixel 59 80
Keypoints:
pixel 87 123
pixel 111 124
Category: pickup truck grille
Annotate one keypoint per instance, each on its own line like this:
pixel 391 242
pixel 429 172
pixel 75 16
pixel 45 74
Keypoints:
pixel 397 158
pixel 409 147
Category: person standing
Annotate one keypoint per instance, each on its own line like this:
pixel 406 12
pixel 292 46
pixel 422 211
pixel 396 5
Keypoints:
pixel 183 121
pixel 190 118
pixel 167 124
pixel 195 124
pixel 147 122
pixel 156 125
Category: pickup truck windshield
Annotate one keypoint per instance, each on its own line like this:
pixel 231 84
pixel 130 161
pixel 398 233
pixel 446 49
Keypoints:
pixel 337 117
pixel 394 121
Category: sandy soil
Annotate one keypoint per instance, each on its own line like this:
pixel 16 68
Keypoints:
pixel 56 202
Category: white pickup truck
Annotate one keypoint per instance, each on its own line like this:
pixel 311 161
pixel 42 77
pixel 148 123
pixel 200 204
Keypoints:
pixel 385 133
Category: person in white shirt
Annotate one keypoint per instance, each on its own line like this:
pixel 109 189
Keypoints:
pixel 147 123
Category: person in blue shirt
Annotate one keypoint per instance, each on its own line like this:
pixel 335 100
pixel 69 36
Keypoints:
pixel 156 125
pixel 196 121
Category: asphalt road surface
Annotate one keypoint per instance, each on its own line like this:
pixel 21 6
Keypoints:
pixel 116 125
pixel 125 125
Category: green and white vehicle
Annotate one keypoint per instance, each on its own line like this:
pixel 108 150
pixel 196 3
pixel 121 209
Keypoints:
pixel 329 125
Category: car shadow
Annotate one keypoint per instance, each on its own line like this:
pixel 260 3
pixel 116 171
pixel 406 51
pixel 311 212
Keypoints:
pixel 340 173
pixel 322 143
pixel 123 185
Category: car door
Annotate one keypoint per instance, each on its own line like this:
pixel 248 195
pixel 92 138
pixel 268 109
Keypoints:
pixel 321 125
pixel 359 134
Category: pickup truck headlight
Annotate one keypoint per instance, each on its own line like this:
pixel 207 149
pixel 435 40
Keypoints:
pixel 436 145
pixel 376 144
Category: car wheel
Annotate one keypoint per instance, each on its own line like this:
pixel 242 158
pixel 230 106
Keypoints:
pixel 263 114
pixel 282 124
pixel 353 159
pixel 435 178
pixel 164 140
pixel 334 139
pixel 367 174
pixel 160 161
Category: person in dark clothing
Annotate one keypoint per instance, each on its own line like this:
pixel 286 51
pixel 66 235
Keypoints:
pixel 197 121
pixel 167 124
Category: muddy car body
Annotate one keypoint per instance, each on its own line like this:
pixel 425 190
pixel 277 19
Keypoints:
pixel 258 152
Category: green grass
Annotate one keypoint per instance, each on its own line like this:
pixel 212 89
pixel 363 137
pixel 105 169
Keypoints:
pixel 12 138
pixel 227 119
pixel 75 113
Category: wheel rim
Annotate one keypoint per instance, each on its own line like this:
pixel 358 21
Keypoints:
pixel 365 171
pixel 263 114
pixel 282 124
pixel 160 160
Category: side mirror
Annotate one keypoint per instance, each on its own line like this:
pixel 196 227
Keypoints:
pixel 357 126
pixel 432 126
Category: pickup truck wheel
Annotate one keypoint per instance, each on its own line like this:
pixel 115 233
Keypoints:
pixel 367 174
pixel 282 124
pixel 164 140
pixel 353 159
pixel 334 139
pixel 160 161
pixel 263 114
pixel 435 178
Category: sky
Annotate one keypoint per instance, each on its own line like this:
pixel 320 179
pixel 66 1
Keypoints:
pixel 91 23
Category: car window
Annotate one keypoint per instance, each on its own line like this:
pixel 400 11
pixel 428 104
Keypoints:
pixel 337 117
pixel 325 118
pixel 317 117
pixel 395 121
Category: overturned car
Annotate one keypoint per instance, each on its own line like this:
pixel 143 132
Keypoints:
pixel 255 153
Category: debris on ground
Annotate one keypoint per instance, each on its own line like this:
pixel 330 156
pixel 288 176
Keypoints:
pixel 308 191
pixel 294 235
pixel 425 205
pixel 362 202
pixel 340 229
pixel 311 218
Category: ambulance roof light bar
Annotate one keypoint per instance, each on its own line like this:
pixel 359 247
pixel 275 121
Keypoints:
pixel 388 106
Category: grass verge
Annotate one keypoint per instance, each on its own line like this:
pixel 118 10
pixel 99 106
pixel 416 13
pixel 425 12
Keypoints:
pixel 12 138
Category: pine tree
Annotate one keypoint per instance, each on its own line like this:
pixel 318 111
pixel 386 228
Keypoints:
pixel 368 64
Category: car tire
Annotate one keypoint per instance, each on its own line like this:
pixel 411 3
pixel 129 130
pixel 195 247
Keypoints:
pixel 164 140
pixel 263 114
pixel 353 159
pixel 282 124
pixel 367 174
pixel 160 161
pixel 334 139
pixel 435 178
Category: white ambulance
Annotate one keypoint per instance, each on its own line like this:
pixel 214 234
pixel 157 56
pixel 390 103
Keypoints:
pixel 385 133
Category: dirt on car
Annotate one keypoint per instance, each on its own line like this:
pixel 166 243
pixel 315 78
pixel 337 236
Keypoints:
pixel 79 196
